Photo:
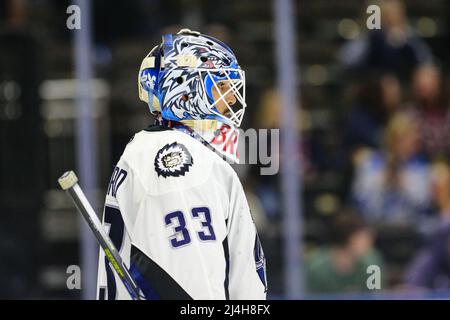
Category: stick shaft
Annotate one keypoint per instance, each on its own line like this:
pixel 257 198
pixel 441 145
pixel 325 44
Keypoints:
pixel 111 252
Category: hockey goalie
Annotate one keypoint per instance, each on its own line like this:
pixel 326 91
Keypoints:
pixel 175 208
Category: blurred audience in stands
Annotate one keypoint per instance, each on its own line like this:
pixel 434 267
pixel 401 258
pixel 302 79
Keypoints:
pixel 394 48
pixel 393 184
pixel 430 270
pixel 267 187
pixel 430 106
pixel 342 265
pixel 396 134
pixel 375 98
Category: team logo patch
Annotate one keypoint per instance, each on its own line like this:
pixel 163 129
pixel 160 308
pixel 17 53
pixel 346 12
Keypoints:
pixel 173 160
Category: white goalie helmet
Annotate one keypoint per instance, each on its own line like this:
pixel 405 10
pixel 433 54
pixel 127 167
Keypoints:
pixel 195 79
pixel 191 76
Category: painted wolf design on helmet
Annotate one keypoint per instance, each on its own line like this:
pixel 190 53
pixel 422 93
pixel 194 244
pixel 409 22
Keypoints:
pixel 182 73
pixel 193 78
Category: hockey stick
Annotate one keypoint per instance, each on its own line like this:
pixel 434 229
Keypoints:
pixel 69 182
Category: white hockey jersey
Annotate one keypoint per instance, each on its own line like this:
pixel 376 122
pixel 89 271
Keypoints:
pixel 178 215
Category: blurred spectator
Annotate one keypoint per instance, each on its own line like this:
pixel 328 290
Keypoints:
pixel 13 13
pixel 431 108
pixel 393 48
pixel 376 98
pixel 393 185
pixel 431 268
pixel 267 186
pixel 342 266
pixel 268 115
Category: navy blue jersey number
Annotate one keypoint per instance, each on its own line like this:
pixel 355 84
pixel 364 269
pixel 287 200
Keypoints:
pixel 205 216
pixel 181 236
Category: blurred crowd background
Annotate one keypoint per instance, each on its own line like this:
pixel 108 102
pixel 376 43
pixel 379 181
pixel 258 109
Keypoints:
pixel 374 122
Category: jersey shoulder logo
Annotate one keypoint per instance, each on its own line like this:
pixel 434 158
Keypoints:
pixel 173 160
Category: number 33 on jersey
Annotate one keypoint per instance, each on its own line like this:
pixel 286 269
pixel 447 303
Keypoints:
pixel 178 214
